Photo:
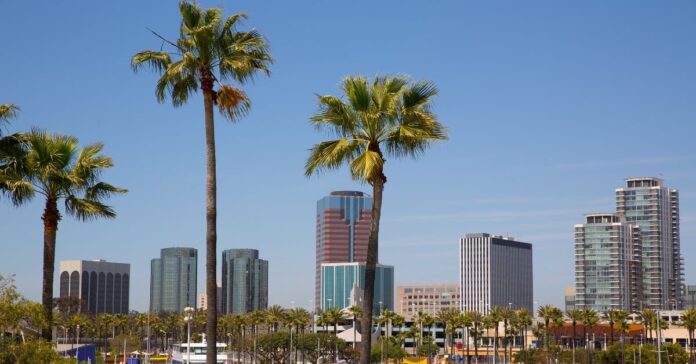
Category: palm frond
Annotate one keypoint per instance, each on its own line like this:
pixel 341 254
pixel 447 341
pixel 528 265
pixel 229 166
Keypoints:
pixel 17 189
pixel 156 60
pixel 232 102
pixel 336 115
pixel 366 166
pixel 7 113
pixel 85 209
pixel 231 22
pixel 102 190
pixel 330 155
pixel 355 88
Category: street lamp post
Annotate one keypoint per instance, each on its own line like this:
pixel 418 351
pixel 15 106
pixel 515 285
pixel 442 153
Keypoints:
pixel 77 350
pixel 188 316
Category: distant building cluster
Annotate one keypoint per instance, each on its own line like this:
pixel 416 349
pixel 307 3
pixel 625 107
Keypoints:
pixel 628 259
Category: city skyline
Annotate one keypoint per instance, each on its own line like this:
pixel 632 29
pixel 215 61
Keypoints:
pixel 527 109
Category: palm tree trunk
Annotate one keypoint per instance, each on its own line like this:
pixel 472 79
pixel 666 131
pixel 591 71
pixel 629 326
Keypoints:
pixel 50 217
pixel 372 246
pixel 476 343
pixel 211 217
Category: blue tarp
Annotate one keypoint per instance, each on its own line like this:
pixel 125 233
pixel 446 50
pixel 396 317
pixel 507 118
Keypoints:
pixel 86 353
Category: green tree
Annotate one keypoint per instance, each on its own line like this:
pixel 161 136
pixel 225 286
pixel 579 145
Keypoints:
pixel 389 116
pixel 210 51
pixel 524 321
pixel 648 318
pixel 575 315
pixel 321 345
pixel 51 165
pixel 688 321
pixel 355 312
pixel 546 313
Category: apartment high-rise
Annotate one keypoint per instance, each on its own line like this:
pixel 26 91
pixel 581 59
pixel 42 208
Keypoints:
pixel 495 271
pixel 343 228
pixel 607 263
pixel 343 285
pixel 646 202
pixel 173 280
pixel 102 286
pixel 244 281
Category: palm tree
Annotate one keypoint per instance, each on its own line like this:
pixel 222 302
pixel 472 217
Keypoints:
pixel 688 320
pixel 558 322
pixel 391 116
pixel 524 320
pixel 574 315
pixel 648 318
pixel 274 316
pixel 465 320
pixel 546 312
pixel 622 320
pixel 507 315
pixel 495 316
pixel 590 318
pixel 448 318
pixel 211 51
pixel 53 166
pixel 611 316
pixel 476 322
pixel 356 313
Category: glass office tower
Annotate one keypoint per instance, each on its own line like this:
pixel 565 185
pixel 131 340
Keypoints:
pixel 244 281
pixel 173 280
pixel 343 284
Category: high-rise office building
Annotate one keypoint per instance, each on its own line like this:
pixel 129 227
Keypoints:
pixel 102 286
pixel 495 271
pixel 646 202
pixel 244 281
pixel 343 285
pixel 429 298
pixel 607 263
pixel 173 280
pixel 343 228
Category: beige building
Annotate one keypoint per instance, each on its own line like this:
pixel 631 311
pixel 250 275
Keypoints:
pixel 202 301
pixel 429 298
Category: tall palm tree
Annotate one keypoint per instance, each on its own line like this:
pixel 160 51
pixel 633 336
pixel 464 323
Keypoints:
pixel 558 322
pixel 54 167
pixel 466 321
pixel 574 315
pixel 688 320
pixel 210 51
pixel 355 312
pixel 448 318
pixel 507 315
pixel 388 116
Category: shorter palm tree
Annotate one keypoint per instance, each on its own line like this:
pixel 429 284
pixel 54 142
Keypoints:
pixel 7 113
pixel 688 320
pixel 53 166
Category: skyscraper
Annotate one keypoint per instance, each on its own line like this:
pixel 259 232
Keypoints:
pixel 343 285
pixel 607 263
pixel 494 271
pixel 244 281
pixel 343 228
pixel 173 279
pixel 655 209
pixel 103 286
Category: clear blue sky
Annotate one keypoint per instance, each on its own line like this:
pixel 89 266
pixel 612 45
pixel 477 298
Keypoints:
pixel 549 104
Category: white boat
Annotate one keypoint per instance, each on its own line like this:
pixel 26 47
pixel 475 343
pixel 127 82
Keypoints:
pixel 198 353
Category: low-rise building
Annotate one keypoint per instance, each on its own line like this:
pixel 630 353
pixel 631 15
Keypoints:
pixel 429 298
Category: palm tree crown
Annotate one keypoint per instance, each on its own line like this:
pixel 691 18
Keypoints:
pixel 391 114
pixel 210 51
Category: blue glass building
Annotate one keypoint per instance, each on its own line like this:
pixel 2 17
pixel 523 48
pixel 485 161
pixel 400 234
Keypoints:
pixel 173 280
pixel 342 285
